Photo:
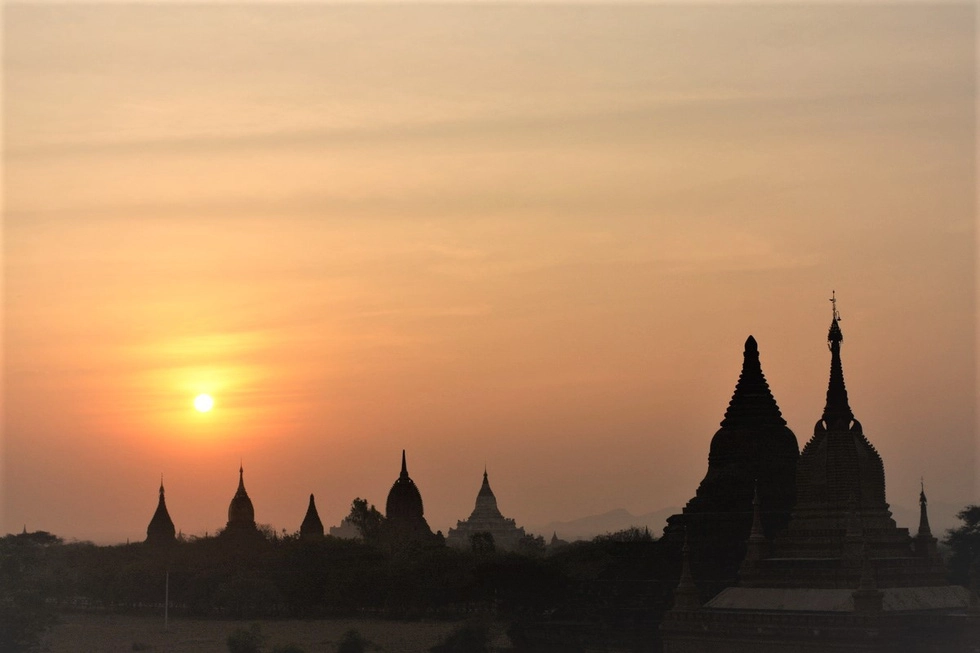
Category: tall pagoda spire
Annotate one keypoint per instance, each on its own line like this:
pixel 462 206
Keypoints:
pixel 837 413
pixel 404 473
pixel 161 528
pixel 312 527
pixel 924 530
pixel 241 514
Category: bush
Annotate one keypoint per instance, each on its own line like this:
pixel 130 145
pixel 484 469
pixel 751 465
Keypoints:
pixel 246 641
pixel 468 638
pixel 352 642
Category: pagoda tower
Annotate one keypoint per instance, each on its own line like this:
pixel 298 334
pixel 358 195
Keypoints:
pixel 161 530
pixel 241 514
pixel 486 518
pixel 753 454
pixel 404 514
pixel 312 527
pixel 842 577
pixel 841 508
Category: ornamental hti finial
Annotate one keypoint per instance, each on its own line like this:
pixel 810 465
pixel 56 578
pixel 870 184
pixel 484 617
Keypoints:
pixel 833 301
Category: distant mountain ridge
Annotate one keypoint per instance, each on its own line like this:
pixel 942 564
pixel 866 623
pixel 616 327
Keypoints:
pixel 586 528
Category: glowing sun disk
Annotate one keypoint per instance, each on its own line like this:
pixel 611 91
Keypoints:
pixel 203 403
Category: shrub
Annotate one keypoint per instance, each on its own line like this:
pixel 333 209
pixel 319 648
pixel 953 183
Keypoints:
pixel 352 642
pixel 468 638
pixel 246 641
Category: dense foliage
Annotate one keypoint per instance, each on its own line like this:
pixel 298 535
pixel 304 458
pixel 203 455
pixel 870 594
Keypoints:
pixel 964 546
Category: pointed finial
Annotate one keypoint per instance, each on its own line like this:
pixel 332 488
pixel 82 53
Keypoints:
pixel 161 482
pixel 484 471
pixel 404 473
pixel 835 334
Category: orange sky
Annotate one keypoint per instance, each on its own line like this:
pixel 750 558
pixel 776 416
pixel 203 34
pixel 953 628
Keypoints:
pixel 534 238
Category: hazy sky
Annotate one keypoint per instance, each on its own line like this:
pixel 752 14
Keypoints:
pixel 528 237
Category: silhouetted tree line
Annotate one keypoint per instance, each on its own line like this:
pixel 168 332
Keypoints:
pixel 611 590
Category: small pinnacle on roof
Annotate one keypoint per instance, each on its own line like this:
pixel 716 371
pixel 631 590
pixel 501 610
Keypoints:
pixel 924 530
pixel 404 473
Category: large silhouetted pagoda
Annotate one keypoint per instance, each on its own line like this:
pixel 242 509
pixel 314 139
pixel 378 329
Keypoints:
pixel 753 448
pixel 241 514
pixel 161 529
pixel 486 518
pixel 312 527
pixel 404 514
pixel 843 576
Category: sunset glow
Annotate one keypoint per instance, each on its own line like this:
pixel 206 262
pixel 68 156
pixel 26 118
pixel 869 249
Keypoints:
pixel 532 237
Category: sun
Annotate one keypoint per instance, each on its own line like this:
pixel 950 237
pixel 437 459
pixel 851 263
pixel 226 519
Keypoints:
pixel 203 403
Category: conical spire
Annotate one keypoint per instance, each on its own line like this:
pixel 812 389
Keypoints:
pixel 837 413
pixel 924 530
pixel 686 593
pixel 756 548
pixel 161 528
pixel 311 527
pixel 404 473
pixel 752 403
pixel 241 514
pixel 486 502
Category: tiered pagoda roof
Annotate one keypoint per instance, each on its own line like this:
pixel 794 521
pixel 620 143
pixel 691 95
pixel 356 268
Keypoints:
pixel 753 449
pixel 486 518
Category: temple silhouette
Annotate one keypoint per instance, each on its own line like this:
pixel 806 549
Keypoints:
pixel 241 514
pixel 778 549
pixel 753 450
pixel 841 576
pixel 486 519
pixel 312 527
pixel 404 513
pixel 161 529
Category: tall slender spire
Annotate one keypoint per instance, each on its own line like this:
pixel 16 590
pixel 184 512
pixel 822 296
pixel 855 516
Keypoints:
pixel 241 477
pixel 924 530
pixel 837 413
pixel 404 473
